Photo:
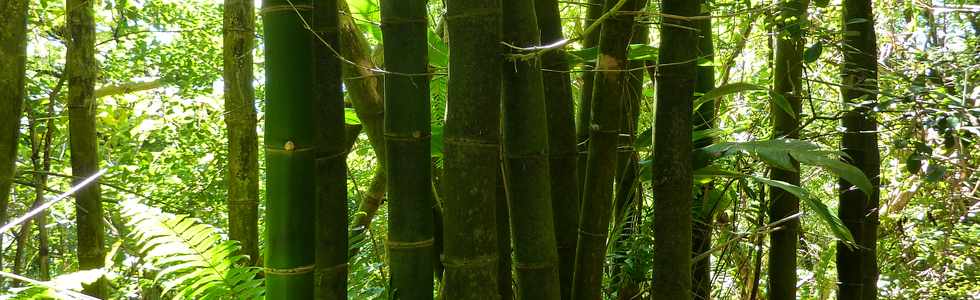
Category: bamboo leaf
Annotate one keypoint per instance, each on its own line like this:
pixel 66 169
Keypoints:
pixel 780 101
pixel 814 204
pixel 813 52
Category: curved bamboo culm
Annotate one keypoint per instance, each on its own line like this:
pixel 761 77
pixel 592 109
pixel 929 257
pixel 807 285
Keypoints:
pixel 672 176
pixel 404 24
pixel 330 155
pixel 364 90
pixel 704 118
pixel 525 154
pixel 610 84
pixel 627 202
pixel 857 268
pixel 561 141
pixel 13 58
pixel 594 10
pixel 243 145
pixel 471 150
pixel 289 141
pixel 82 69
pixel 787 82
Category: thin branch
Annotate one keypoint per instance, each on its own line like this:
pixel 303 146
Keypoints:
pixel 46 205
pixel 762 230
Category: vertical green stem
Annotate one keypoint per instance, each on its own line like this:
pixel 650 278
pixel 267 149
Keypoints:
pixel 857 268
pixel 525 154
pixel 787 82
pixel 404 24
pixel 471 150
pixel 330 155
pixel 704 118
pixel 611 80
pixel 672 174
pixel 13 58
pixel 243 162
pixel 562 151
pixel 289 141
pixel 82 70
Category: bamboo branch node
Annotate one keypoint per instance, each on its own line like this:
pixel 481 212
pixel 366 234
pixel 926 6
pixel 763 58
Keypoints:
pixel 246 202
pixel 470 263
pixel 458 141
pixel 282 8
pixel 333 269
pixel 413 137
pixel 291 271
pixel 390 20
pixel 475 13
pixel 410 245
pixel 591 234
pixel 548 264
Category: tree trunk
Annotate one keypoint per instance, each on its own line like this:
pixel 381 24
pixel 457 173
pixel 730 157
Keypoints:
pixel 561 142
pixel 704 118
pixel 672 174
pixel 594 11
pixel 330 155
pixel 472 150
pixel 857 270
pixel 525 157
pixel 787 82
pixel 407 135
pixel 290 156
pixel 13 56
pixel 82 69
pixel 364 87
pixel 243 146
pixel 610 84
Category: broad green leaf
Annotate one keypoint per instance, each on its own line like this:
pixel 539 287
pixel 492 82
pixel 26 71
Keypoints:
pixel 813 52
pixel 725 90
pixel 831 162
pixel 780 153
pixel 780 101
pixel 829 219
pixel 350 116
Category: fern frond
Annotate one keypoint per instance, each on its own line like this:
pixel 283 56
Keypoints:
pixel 195 262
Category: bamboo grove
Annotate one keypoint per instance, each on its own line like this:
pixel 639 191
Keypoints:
pixel 484 149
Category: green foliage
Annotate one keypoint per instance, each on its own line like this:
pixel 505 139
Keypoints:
pixel 780 153
pixel 815 204
pixel 194 261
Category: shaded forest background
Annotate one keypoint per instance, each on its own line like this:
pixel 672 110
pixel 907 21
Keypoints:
pixel 161 128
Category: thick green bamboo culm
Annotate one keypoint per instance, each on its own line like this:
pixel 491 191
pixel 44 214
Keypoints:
pixel 610 84
pixel 82 70
pixel 471 150
pixel 525 157
pixel 13 58
pixel 857 267
pixel 787 82
pixel 704 118
pixel 290 150
pixel 407 136
pixel 242 174
pixel 562 151
pixel 672 147
pixel 330 279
